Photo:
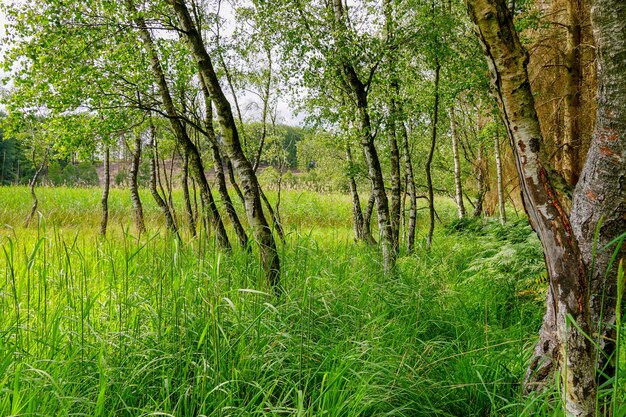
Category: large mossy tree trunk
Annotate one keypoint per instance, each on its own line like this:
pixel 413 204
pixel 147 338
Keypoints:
pixel 599 202
pixel 564 342
pixel 249 182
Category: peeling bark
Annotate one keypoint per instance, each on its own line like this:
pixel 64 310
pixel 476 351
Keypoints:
pixel 562 345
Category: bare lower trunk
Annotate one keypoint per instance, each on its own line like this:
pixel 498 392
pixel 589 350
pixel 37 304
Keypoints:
pixel 433 141
pixel 105 193
pixel 251 191
pixel 458 187
pixel 499 181
pixel 367 218
pixel 32 185
pixel 410 184
pixel 233 180
pixel 134 187
pixel 357 213
pixel 275 221
pixel 396 187
pixel 481 183
pixel 184 182
pixel 563 338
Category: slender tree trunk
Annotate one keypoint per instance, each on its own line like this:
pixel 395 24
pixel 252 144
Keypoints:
pixel 242 237
pixel 169 219
pixel 32 185
pixel 357 213
pixel 275 221
pixel 500 184
pixel 563 338
pixel 184 182
pixel 195 160
pixel 233 180
pixel 359 93
pixel 105 193
pixel 165 191
pixel 266 103
pixel 571 118
pixel 134 187
pixel 396 186
pixel 251 191
pixel 599 202
pixel 433 142
pixel 392 120
pixel 367 218
pixel 458 184
pixel 410 183
pixel 481 182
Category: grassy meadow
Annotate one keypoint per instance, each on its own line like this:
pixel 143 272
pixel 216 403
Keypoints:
pixel 149 326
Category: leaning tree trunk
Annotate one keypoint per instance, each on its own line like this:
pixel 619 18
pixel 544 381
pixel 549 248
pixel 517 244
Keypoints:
pixel 219 171
pixel 33 183
pixel 563 340
pixel 134 187
pixel 599 202
pixel 458 184
pixel 165 209
pixel 182 137
pixel 500 184
pixel 429 179
pixel 251 190
pixel 104 201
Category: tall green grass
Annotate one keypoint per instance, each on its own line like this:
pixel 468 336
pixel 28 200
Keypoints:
pixel 154 327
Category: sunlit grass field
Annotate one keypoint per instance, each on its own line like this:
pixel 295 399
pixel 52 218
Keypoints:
pixel 148 325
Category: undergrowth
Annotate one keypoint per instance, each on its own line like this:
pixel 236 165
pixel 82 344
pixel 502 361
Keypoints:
pixel 151 326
